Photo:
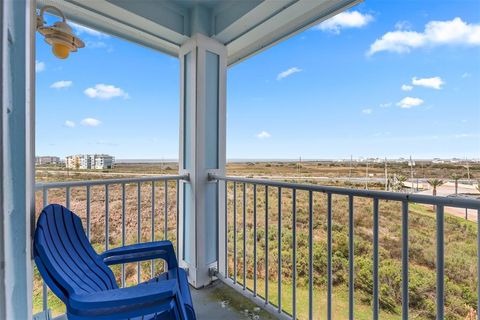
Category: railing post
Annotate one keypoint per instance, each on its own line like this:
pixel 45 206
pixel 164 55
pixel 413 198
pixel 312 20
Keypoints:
pixel 375 259
pixel 478 264
pixel 351 257
pixel 405 260
pixel 329 259
pixel 440 263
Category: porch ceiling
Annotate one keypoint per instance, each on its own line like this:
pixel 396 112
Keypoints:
pixel 246 27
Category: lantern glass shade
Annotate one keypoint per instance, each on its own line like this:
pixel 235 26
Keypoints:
pixel 59 36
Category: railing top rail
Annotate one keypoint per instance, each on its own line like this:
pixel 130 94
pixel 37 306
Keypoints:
pixel 85 183
pixel 383 195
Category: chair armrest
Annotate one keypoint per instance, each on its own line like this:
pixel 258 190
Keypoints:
pixel 141 252
pixel 125 302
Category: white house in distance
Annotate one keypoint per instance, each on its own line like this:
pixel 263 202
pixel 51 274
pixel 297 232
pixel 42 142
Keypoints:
pixel 90 161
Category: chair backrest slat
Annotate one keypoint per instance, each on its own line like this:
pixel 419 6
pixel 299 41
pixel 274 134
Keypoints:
pixel 68 259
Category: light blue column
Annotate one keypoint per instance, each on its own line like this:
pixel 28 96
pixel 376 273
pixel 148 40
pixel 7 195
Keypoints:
pixel 202 151
pixel 16 157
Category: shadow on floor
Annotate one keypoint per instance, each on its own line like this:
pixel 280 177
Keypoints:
pixel 218 301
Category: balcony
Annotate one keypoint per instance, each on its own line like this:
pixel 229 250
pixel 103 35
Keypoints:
pixel 124 211
pixel 296 251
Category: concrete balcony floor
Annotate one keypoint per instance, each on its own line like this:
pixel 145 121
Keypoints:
pixel 219 301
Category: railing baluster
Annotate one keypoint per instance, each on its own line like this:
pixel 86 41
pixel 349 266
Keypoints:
pixel 107 218
pixel 244 236
pixel 375 259
pixel 139 224
pixel 254 240
pixel 351 255
pixel 226 230
pixel 405 260
pixel 440 262
pixel 165 218
pixel 266 245
pixel 152 220
pixel 67 197
pixel 44 286
pixel 88 212
pixel 177 213
pixel 478 264
pixel 279 231
pixel 329 254
pixel 294 254
pixel 234 232
pixel 123 230
pixel 310 255
pixel 165 209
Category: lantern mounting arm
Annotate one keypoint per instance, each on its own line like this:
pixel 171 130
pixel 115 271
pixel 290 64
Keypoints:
pixel 41 20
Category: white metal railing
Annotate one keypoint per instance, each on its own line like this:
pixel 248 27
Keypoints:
pixel 107 184
pixel 404 198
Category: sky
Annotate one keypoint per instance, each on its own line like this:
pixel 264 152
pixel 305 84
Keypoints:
pixel 384 79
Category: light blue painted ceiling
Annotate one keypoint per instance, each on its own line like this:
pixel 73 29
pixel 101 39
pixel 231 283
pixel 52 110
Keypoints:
pixel 246 27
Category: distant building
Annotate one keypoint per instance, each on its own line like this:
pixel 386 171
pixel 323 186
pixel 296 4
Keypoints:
pixel 438 160
pixel 90 161
pixel 47 160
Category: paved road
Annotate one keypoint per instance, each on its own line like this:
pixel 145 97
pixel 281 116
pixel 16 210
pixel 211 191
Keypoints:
pixel 449 189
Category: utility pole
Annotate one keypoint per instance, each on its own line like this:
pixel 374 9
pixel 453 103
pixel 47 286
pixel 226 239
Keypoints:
pixel 350 173
pixel 366 175
pixel 468 169
pixel 411 173
pixel 386 175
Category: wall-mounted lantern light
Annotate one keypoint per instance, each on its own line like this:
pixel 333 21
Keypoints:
pixel 59 35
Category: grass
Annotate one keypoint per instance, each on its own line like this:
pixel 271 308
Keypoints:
pixel 460 241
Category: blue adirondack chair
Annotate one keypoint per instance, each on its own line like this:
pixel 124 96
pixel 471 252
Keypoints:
pixel 83 281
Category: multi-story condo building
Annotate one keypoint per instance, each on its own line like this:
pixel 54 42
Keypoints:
pixel 72 162
pixel 90 161
pixel 47 160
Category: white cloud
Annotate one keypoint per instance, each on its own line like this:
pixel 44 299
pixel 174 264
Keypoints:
pixel 403 25
pixel 464 135
pixel 466 75
pixel 436 33
pixel 409 102
pixel 105 92
pixel 288 72
pixel 367 111
pixel 433 82
pixel 264 135
pixel 90 122
pixel 344 20
pixel 406 87
pixel 96 44
pixel 69 124
pixel 79 29
pixel 99 45
pixel 39 66
pixel 61 84
pixel 385 105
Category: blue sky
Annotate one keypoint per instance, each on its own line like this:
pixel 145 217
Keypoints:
pixel 386 79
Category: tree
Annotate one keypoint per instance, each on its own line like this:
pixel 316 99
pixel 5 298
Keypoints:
pixel 455 176
pixel 434 183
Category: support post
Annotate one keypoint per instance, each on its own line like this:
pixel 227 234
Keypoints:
pixel 202 151
pixel 17 157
